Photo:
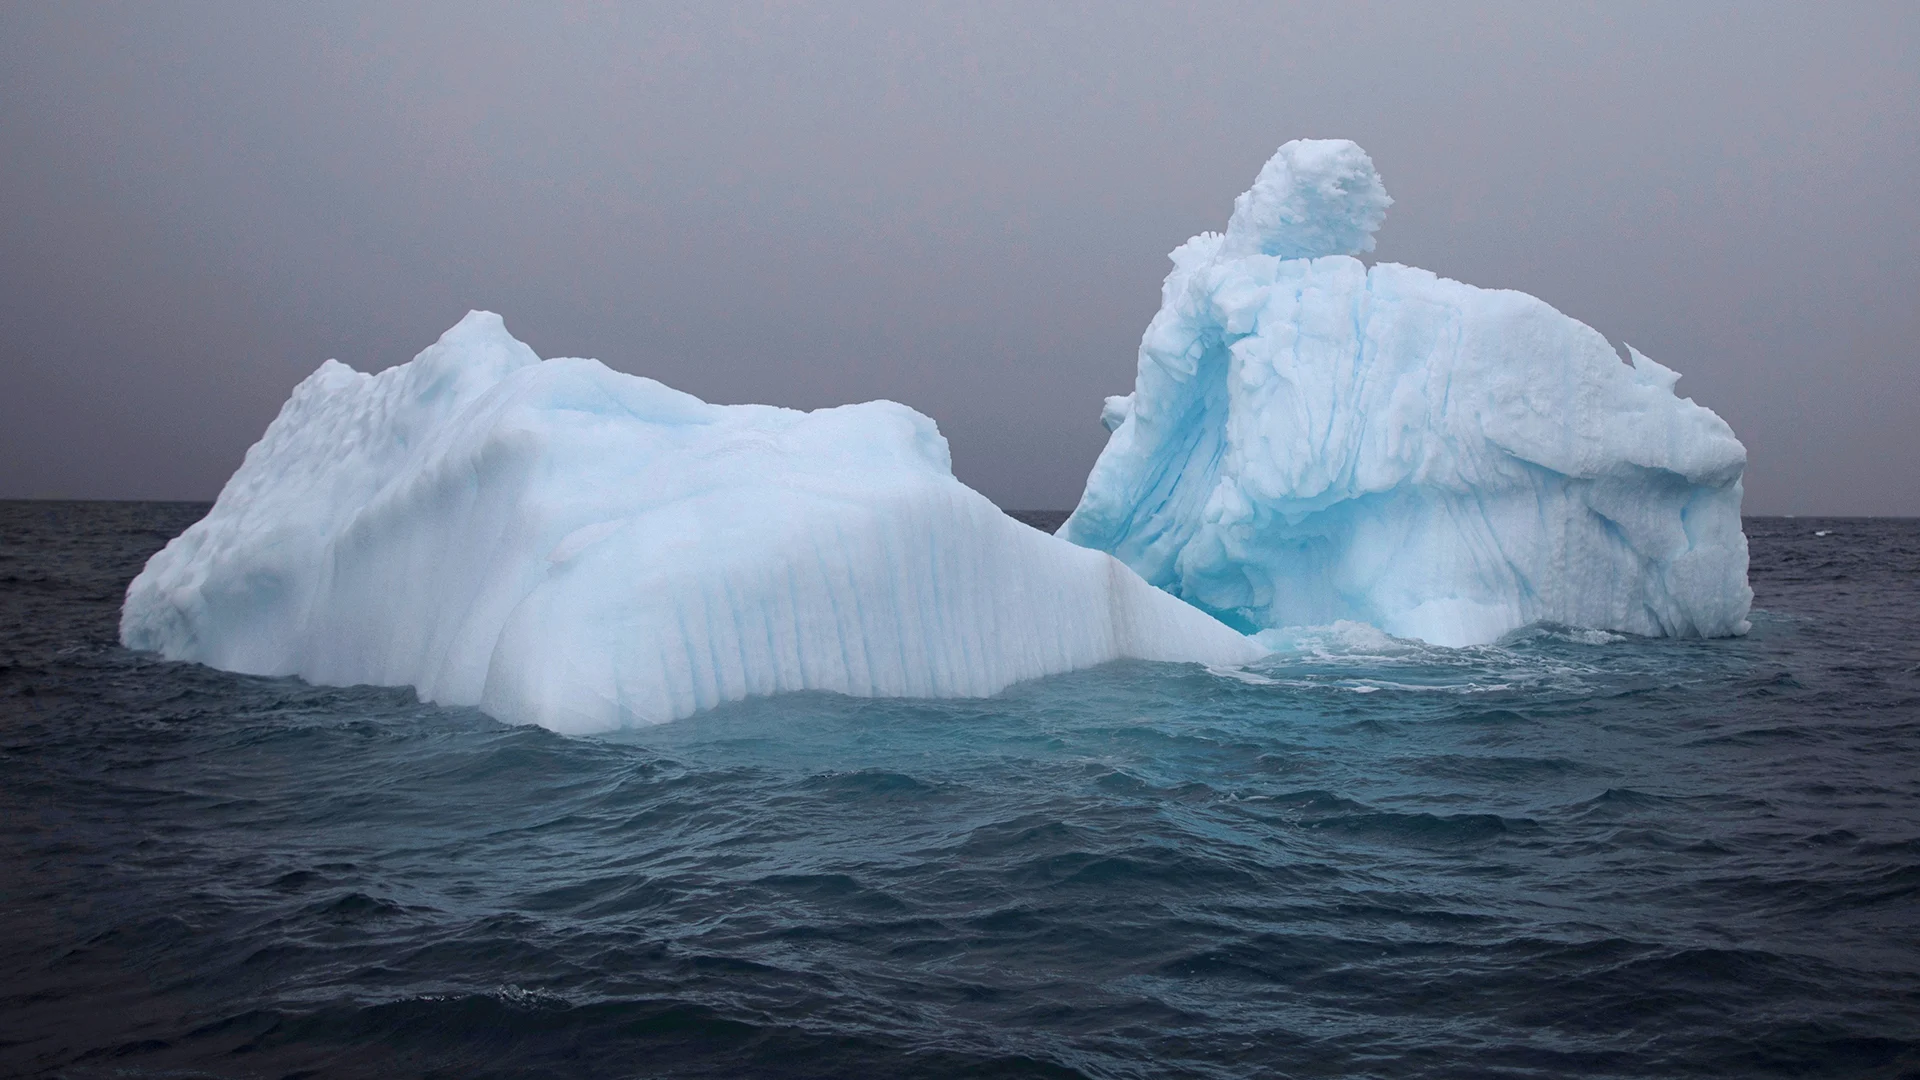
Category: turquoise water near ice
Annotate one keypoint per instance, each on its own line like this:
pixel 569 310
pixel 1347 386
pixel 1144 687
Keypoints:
pixel 1566 854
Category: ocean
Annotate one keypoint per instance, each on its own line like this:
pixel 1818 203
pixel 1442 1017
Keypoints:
pixel 1567 854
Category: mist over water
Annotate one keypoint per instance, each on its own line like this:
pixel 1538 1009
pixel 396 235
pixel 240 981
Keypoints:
pixel 1571 853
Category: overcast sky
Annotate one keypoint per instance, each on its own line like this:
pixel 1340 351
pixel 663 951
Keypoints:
pixel 963 207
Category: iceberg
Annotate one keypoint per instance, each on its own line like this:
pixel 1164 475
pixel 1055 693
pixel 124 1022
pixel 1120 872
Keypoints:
pixel 1311 440
pixel 561 544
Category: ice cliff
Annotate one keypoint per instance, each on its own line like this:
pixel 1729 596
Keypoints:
pixel 1311 440
pixel 559 543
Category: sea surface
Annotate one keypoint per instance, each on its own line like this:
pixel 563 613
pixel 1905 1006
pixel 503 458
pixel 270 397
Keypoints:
pixel 1568 854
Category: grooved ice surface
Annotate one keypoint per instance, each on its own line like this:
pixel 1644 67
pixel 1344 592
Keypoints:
pixel 563 544
pixel 1310 440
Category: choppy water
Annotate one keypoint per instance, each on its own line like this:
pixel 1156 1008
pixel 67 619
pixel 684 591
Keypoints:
pixel 1570 854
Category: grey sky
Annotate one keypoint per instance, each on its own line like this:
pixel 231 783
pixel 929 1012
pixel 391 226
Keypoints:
pixel 963 207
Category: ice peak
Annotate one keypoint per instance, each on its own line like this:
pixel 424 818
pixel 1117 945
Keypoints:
pixel 474 353
pixel 478 326
pixel 1314 197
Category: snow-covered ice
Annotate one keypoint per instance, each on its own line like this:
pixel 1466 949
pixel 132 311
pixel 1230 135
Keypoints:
pixel 1310 440
pixel 559 543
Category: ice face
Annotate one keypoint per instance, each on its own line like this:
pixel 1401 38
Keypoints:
pixel 563 544
pixel 1310 440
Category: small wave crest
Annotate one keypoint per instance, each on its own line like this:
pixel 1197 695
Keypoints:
pixel 1355 657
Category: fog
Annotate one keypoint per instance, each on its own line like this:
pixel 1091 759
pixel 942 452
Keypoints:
pixel 966 208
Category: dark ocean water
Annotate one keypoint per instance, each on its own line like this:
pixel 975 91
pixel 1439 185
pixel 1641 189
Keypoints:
pixel 1570 854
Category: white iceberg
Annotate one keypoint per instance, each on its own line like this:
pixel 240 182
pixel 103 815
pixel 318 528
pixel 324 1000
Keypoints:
pixel 1310 440
pixel 559 543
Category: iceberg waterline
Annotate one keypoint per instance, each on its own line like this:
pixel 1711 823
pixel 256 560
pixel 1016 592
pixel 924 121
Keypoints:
pixel 562 544
pixel 1311 440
